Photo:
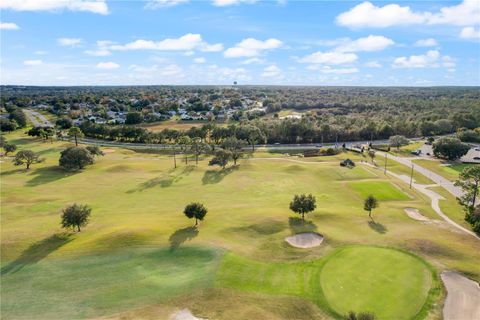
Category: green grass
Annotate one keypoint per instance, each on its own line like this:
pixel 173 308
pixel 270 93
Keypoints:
pixel 382 190
pixel 450 172
pixel 137 201
pixel 387 282
pixel 101 284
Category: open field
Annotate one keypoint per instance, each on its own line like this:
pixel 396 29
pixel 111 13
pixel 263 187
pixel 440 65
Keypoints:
pixel 140 255
pixel 449 172
pixel 177 124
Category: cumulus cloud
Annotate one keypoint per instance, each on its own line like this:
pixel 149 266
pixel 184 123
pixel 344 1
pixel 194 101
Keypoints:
pixel 430 42
pixel 271 71
pixel 253 61
pixel 107 65
pixel 470 33
pixel 370 43
pixel 98 6
pixel 367 14
pixel 225 3
pixel 101 50
pixel 157 4
pixel 373 64
pixel 199 60
pixel 251 47
pixel 8 26
pixel 32 62
pixel 187 42
pixel 431 59
pixel 332 58
pixel 69 42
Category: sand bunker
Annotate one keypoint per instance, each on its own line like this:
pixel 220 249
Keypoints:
pixel 305 240
pixel 108 150
pixel 463 297
pixel 184 314
pixel 415 215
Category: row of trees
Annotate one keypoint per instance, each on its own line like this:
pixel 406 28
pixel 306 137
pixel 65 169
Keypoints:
pixel 469 181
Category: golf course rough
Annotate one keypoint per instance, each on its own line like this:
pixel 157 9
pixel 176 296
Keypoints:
pixel 390 283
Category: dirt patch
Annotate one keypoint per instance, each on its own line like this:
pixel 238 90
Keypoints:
pixel 108 150
pixel 415 214
pixel 305 240
pixel 184 314
pixel 463 297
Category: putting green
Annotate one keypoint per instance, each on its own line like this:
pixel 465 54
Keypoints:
pixel 382 190
pixel 389 283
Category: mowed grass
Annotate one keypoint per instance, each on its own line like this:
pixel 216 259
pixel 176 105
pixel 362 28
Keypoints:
pixel 450 172
pixel 388 283
pixel 138 200
pixel 382 190
pixel 102 284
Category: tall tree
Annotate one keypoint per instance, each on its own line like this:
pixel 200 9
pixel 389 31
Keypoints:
pixel 220 158
pixel 75 158
pixel 26 157
pixel 185 142
pixel 369 204
pixel 9 147
pixel 397 141
pixel 195 210
pixel 469 181
pixel 75 132
pixel 303 203
pixel 450 148
pixel 235 147
pixel 75 216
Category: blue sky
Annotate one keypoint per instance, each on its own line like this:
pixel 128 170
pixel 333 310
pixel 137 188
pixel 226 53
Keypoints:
pixel 70 42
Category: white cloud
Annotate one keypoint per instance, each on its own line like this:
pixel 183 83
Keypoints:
pixel 225 3
pixel 251 47
pixel 373 64
pixel 171 70
pixel 69 42
pixel 157 4
pixel 430 42
pixel 99 6
pixel 101 50
pixel 40 52
pixel 253 61
pixel 272 71
pixel 370 43
pixel 187 42
pixel 329 70
pixel 199 60
pixel 107 65
pixel 32 62
pixel 470 33
pixel 366 14
pixel 329 58
pixel 8 26
pixel 431 59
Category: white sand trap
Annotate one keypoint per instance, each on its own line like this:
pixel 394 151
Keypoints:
pixel 184 314
pixel 305 240
pixel 463 297
pixel 108 150
pixel 415 215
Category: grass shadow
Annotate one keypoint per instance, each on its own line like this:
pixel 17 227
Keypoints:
pixel 265 228
pixel 378 227
pixel 10 172
pixel 37 252
pixel 215 176
pixel 164 181
pixel 182 235
pixel 47 175
pixel 297 225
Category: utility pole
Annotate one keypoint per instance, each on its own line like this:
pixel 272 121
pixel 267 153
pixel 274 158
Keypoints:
pixel 385 171
pixel 411 177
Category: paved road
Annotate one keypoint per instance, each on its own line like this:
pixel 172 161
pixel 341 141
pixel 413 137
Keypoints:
pixel 438 179
pixel 37 119
pixel 463 297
